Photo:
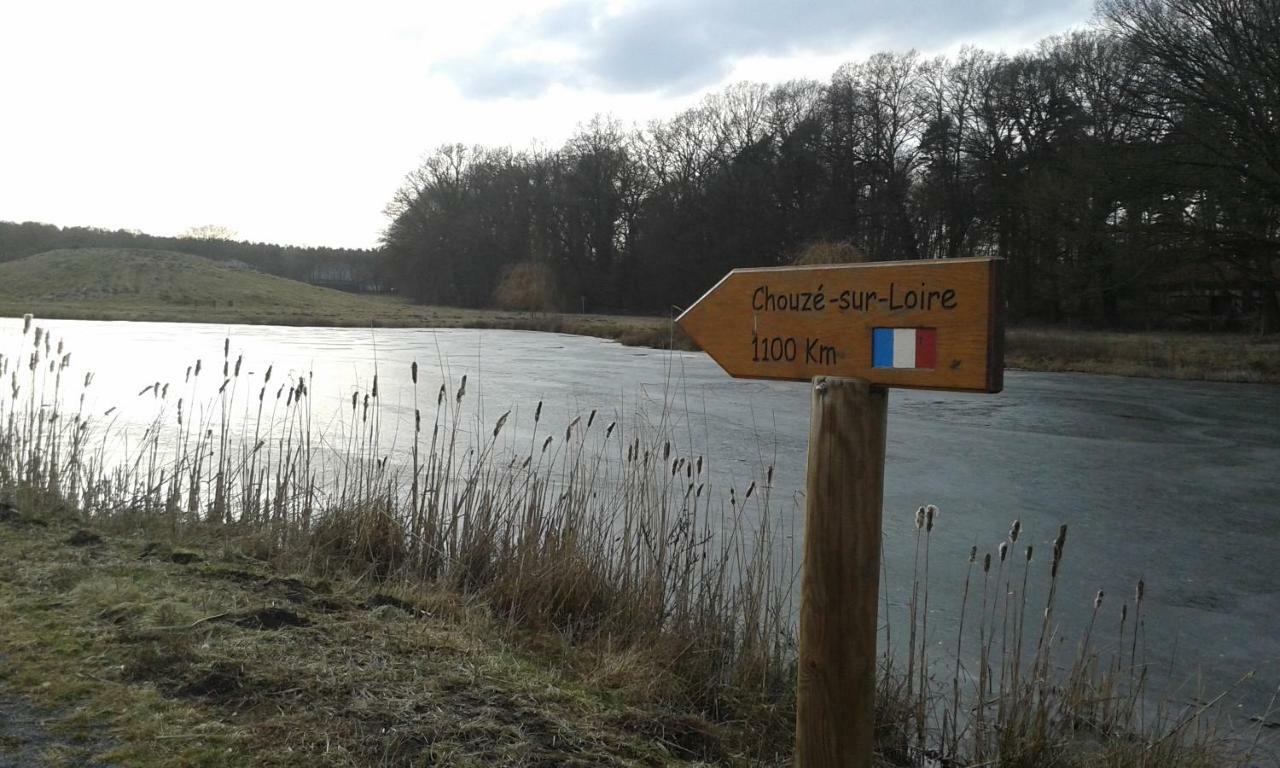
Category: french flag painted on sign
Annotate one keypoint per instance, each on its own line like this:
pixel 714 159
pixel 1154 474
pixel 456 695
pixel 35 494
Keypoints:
pixel 904 347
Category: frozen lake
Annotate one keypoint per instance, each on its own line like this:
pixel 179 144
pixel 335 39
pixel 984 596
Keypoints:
pixel 1177 483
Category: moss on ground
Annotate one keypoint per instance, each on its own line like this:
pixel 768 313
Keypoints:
pixel 139 660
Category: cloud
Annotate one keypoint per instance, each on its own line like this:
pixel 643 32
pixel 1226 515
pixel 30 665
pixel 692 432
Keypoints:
pixel 678 46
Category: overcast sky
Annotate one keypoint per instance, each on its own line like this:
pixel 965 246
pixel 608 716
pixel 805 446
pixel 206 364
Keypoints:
pixel 294 122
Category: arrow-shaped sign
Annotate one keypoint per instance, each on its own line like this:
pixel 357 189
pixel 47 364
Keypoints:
pixel 933 324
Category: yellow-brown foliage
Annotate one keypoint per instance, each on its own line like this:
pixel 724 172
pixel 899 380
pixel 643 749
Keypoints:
pixel 528 286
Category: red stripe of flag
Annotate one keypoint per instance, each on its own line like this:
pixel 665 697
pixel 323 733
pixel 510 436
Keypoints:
pixel 926 347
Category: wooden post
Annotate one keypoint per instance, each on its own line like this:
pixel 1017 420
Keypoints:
pixel 835 707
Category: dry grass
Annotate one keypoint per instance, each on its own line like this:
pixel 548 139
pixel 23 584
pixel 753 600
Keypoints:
pixel 1211 357
pixel 598 550
pixel 529 286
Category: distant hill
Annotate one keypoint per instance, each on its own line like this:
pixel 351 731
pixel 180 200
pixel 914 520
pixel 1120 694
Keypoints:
pixel 357 269
pixel 134 283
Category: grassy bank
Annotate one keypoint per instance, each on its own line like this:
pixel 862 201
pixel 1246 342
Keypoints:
pixel 1154 354
pixel 140 653
pixel 158 286
pixel 249 588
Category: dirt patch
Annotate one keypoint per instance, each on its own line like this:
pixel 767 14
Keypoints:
pixel 683 735
pixel 268 617
pixel 171 554
pixel 289 588
pixel 11 516
pixel 183 557
pixel 177 670
pixel 379 600
pixel 83 538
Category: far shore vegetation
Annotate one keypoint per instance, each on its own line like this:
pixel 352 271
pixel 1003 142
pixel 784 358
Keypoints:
pixel 239 586
pixel 160 286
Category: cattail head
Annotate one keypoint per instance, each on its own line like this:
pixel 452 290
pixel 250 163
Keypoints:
pixel 501 421
pixel 750 490
pixel 666 450
pixel 417 421
pixel 1142 589
pixel 986 563
pixel 919 518
pixel 226 347
pixel 1058 544
pixel 413 371
pixel 462 390
pixel 267 379
pixel 591 419
pixel 1097 601
pixel 198 367
pixel 537 412
pixel 39 335
pixel 699 465
pixel 375 386
pixel 239 360
pixel 188 376
pixel 546 444
pixel 973 554
pixel 26 323
pixel 440 396
pixel 930 512
pixel 1030 550
pixel 768 476
pixel 609 430
pixel 355 396
pixel 1014 531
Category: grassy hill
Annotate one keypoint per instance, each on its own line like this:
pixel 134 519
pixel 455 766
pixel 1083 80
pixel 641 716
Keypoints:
pixel 137 284
pixel 114 283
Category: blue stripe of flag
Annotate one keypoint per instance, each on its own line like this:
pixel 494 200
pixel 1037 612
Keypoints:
pixel 882 348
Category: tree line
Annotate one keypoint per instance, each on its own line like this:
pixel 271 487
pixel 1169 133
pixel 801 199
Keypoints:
pixel 1128 173
pixel 310 264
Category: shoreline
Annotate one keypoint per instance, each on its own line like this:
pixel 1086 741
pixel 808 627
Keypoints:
pixel 1176 355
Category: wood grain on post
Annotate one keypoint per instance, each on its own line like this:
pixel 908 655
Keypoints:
pixel 835 708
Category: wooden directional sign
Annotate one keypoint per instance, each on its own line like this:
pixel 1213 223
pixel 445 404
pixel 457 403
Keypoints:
pixel 933 324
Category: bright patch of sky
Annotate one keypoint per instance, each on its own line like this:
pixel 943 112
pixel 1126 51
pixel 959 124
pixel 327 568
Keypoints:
pixel 294 122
